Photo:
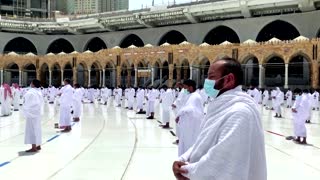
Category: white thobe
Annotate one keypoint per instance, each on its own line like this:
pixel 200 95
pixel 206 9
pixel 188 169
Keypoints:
pixel 255 94
pixel 265 97
pixel 131 93
pixel 315 103
pixel 5 103
pixel 140 99
pixel 302 106
pixel 179 102
pixel 167 98
pixel 91 94
pixel 289 98
pixel 230 145
pixel 77 102
pixel 52 94
pixel 118 95
pixel 190 117
pixel 32 110
pixel 152 96
pixel 66 100
pixel 104 95
pixel 16 99
pixel 278 101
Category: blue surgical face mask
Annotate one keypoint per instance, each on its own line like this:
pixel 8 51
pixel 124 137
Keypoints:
pixel 209 87
pixel 186 91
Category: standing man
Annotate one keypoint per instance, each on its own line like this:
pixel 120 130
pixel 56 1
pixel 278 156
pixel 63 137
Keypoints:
pixel 315 104
pixel 140 99
pixel 77 102
pixel 6 97
pixel 230 145
pixel 289 98
pixel 166 100
pixel 130 95
pixel 66 100
pixel 32 110
pixel 16 96
pixel 300 112
pixel 265 97
pixel 151 98
pixel 189 117
pixel 177 105
pixel 278 100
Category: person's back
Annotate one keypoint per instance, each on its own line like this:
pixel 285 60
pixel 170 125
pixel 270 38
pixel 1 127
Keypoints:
pixel 66 96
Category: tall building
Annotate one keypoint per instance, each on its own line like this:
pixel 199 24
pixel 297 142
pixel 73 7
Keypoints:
pixel 113 5
pixel 25 8
pixel 86 6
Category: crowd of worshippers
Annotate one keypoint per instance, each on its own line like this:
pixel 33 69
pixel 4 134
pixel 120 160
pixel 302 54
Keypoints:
pixel 302 102
pixel 225 142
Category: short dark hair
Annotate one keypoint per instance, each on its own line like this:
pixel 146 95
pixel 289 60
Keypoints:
pixel 298 91
pixel 67 80
pixel 305 91
pixel 76 85
pixel 233 66
pixel 36 83
pixel 191 83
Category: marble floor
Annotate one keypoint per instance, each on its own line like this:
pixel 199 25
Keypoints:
pixel 113 143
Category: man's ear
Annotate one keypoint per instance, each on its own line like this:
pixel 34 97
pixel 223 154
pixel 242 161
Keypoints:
pixel 230 81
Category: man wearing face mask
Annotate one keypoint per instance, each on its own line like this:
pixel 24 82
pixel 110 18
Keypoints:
pixel 231 141
pixel 300 112
pixel 189 117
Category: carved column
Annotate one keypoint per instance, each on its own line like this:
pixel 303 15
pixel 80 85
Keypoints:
pixel 286 76
pixel 315 75
pixel 170 82
pixel 89 78
pixel 118 75
pixel 178 74
pixel 103 78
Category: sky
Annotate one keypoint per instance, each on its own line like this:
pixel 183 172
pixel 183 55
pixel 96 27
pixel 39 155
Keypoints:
pixel 136 4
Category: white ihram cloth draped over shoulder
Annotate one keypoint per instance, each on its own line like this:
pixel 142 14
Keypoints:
pixel 32 110
pixel 190 119
pixel 230 145
pixel 66 101
pixel 77 103
pixel 302 106
pixel 167 99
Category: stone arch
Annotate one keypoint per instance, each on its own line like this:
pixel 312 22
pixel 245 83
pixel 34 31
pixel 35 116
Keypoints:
pixel 220 56
pixel 95 74
pixel 250 66
pixel 68 71
pixel 172 37
pixel 20 45
pixel 56 74
pixel 204 66
pixel 29 73
pixel 131 39
pixel 280 29
pixel 82 73
pixel 11 73
pixel 220 34
pixel 60 45
pixel 184 67
pixel 299 70
pixel 274 71
pixel 110 74
pixel 44 75
pixel 95 44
